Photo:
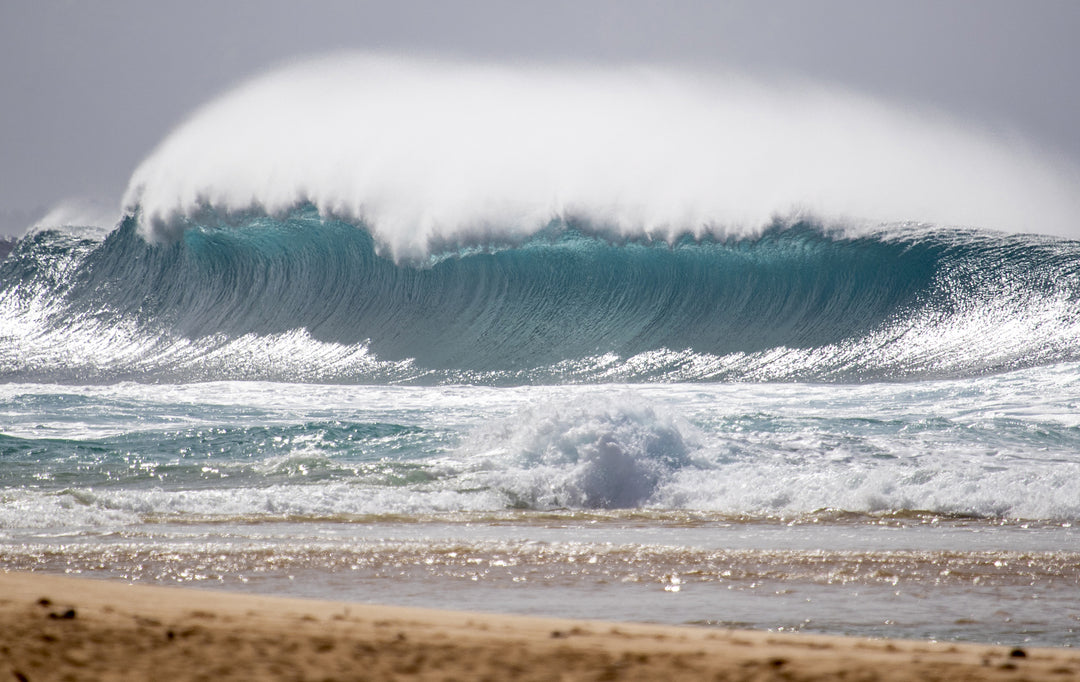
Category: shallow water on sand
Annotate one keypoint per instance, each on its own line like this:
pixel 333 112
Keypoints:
pixel 1012 583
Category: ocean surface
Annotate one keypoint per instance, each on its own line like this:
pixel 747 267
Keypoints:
pixel 799 430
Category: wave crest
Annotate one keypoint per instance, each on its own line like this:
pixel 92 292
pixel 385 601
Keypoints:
pixel 443 153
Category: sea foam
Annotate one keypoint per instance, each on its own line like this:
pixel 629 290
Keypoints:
pixel 434 152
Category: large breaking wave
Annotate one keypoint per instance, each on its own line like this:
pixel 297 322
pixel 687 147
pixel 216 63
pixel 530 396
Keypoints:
pixel 303 298
pixel 369 219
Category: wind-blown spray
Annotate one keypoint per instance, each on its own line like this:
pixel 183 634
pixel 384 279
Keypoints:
pixel 429 152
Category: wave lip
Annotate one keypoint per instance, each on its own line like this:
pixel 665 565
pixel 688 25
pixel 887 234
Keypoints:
pixel 429 153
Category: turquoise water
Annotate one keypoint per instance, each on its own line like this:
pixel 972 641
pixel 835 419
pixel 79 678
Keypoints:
pixel 300 299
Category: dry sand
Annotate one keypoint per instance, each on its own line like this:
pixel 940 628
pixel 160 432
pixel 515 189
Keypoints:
pixel 54 628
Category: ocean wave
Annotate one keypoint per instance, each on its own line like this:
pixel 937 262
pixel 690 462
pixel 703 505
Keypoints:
pixel 304 298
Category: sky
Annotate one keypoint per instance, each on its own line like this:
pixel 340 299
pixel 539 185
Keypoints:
pixel 88 89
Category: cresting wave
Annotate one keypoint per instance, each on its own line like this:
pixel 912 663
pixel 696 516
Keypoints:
pixel 302 298
pixel 379 220
pixel 431 155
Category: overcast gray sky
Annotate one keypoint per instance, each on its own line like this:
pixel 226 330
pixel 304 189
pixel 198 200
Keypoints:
pixel 87 89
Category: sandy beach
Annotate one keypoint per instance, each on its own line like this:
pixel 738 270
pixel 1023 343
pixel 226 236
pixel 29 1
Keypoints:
pixel 58 628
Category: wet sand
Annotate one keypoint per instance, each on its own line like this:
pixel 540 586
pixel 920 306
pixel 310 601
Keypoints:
pixel 56 628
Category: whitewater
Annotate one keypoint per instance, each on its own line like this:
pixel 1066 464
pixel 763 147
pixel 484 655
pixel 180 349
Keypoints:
pixel 620 342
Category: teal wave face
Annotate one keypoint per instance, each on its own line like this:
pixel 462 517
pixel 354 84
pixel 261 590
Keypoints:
pixel 834 307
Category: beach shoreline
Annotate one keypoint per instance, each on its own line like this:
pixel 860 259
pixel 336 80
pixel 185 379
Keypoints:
pixel 58 627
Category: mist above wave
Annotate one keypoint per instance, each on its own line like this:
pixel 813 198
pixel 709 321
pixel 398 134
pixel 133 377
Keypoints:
pixel 429 153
